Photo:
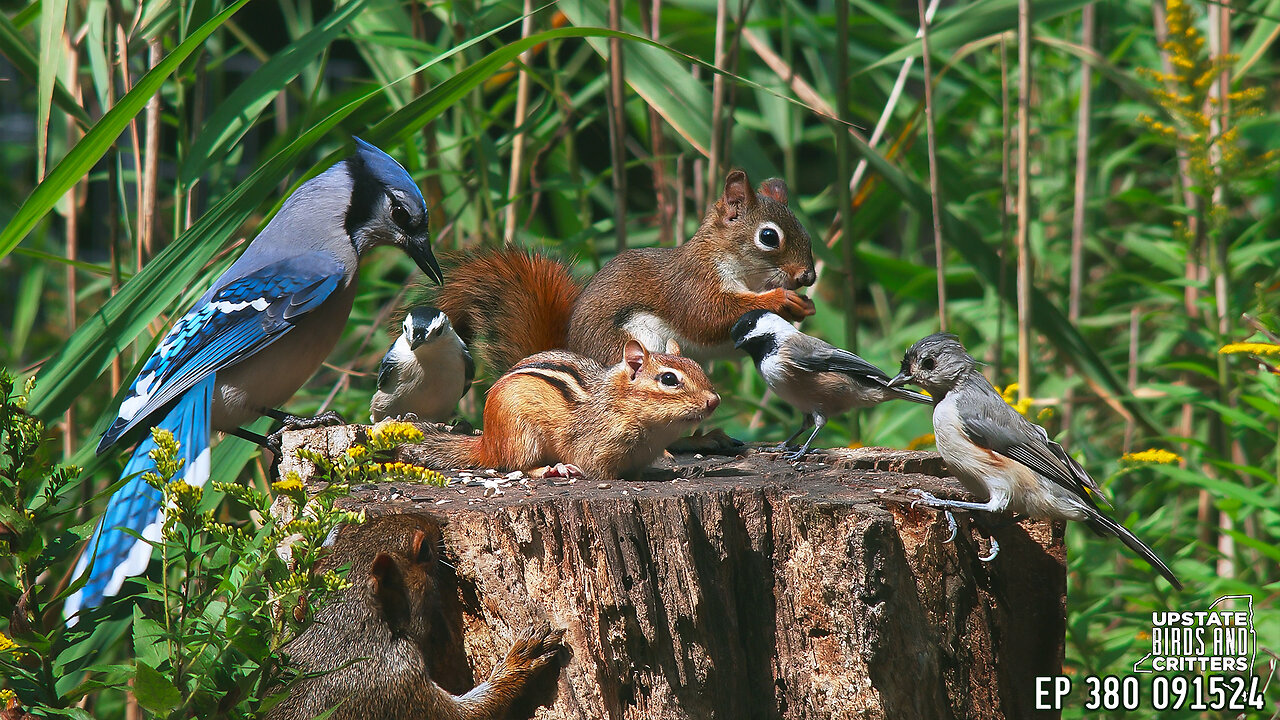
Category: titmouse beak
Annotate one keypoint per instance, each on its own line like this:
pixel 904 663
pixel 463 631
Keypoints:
pixel 900 379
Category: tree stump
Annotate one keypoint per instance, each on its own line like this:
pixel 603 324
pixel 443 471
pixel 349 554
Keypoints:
pixel 743 587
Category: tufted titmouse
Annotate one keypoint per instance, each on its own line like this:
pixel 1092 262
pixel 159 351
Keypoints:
pixel 998 454
pixel 815 377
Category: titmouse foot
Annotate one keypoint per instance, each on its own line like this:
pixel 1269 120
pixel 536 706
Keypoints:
pixel 995 550
pixel 793 457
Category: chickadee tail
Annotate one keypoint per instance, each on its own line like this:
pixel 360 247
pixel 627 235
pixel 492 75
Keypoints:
pixel 913 396
pixel 1105 525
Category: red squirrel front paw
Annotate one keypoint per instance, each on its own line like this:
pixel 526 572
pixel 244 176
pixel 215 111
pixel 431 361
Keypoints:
pixel 794 306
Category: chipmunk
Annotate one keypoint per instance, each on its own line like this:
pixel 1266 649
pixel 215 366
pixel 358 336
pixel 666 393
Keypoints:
pixel 372 639
pixel 569 412
pixel 749 253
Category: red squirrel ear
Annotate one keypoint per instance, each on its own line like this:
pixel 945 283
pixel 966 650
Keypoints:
pixel 737 196
pixel 774 188
pixel 635 356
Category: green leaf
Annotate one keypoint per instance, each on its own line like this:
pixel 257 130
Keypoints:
pixel 149 639
pixel 17 51
pixel 53 18
pixel 240 110
pixel 154 691
pixel 99 140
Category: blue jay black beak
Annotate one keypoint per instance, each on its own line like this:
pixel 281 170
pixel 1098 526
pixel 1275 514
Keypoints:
pixel 900 379
pixel 419 248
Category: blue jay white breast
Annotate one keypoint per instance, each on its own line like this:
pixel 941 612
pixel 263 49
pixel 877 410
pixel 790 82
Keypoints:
pixel 425 372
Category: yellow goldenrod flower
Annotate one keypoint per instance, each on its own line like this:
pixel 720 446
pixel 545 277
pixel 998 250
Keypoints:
pixel 5 696
pixel 1251 348
pixel 291 483
pixel 6 644
pixel 357 452
pixel 1153 456
pixel 392 433
pixel 923 441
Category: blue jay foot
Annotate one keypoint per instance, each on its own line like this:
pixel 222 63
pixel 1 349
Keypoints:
pixel 295 422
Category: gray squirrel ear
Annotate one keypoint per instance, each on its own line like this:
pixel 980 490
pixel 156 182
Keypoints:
pixel 737 197
pixel 774 188
pixel 387 584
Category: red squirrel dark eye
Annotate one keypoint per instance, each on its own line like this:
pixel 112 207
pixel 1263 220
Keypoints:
pixel 669 379
pixel 769 237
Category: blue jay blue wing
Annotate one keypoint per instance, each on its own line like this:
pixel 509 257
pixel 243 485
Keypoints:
pixel 1019 439
pixel 244 316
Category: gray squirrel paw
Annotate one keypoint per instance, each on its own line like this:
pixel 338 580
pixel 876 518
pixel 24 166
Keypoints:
pixel 535 648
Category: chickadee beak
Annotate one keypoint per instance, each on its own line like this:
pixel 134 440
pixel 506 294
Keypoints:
pixel 901 379
pixel 419 248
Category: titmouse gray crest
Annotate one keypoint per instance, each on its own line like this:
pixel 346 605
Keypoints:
pixel 426 370
pixel 815 377
pixel 998 454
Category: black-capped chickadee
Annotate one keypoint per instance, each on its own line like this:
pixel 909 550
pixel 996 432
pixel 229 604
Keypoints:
pixel 998 454
pixel 815 377
pixel 426 371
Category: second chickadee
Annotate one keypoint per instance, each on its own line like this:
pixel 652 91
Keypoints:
pixel 426 371
pixel 815 377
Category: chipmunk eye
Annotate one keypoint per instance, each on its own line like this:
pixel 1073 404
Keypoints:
pixel 768 237
pixel 669 379
pixel 927 363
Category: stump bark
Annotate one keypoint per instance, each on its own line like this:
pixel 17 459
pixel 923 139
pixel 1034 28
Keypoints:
pixel 743 587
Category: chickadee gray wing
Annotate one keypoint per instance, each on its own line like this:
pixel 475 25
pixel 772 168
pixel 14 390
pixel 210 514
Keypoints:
pixel 469 371
pixel 1001 429
pixel 387 375
pixel 828 358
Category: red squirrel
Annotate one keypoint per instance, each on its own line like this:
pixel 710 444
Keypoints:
pixel 558 407
pixel 370 644
pixel 749 253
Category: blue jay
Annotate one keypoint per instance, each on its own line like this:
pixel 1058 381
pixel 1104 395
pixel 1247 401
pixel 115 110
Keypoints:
pixel 1001 456
pixel 815 377
pixel 251 341
pixel 426 371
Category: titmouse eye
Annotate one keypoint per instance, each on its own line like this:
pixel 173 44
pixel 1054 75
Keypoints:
pixel 669 379
pixel 927 363
pixel 768 236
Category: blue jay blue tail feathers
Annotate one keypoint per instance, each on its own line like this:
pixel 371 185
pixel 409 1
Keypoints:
pixel 112 555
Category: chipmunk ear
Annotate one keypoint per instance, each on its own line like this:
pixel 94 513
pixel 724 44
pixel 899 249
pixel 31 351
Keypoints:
pixel 774 188
pixel 737 197
pixel 387 584
pixel 635 356
pixel 673 347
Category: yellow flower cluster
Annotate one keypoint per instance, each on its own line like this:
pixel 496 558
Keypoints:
pixel 1152 456
pixel 393 433
pixel 406 471
pixel 5 696
pixel 6 644
pixel 923 441
pixel 291 483
pixel 358 452
pixel 1010 395
pixel 1250 348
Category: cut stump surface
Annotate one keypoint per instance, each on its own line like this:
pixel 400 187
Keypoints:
pixel 743 587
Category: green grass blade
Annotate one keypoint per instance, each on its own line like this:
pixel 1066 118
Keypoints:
pixel 17 51
pixel 240 110
pixel 99 140
pixel 53 19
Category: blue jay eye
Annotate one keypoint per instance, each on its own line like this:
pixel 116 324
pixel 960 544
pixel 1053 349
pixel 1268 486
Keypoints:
pixel 769 237
pixel 401 217
pixel 669 379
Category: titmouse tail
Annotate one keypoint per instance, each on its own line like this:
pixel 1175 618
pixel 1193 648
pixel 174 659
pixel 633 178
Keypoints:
pixel 1105 525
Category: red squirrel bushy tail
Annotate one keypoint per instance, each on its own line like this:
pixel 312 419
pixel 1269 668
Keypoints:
pixel 508 304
